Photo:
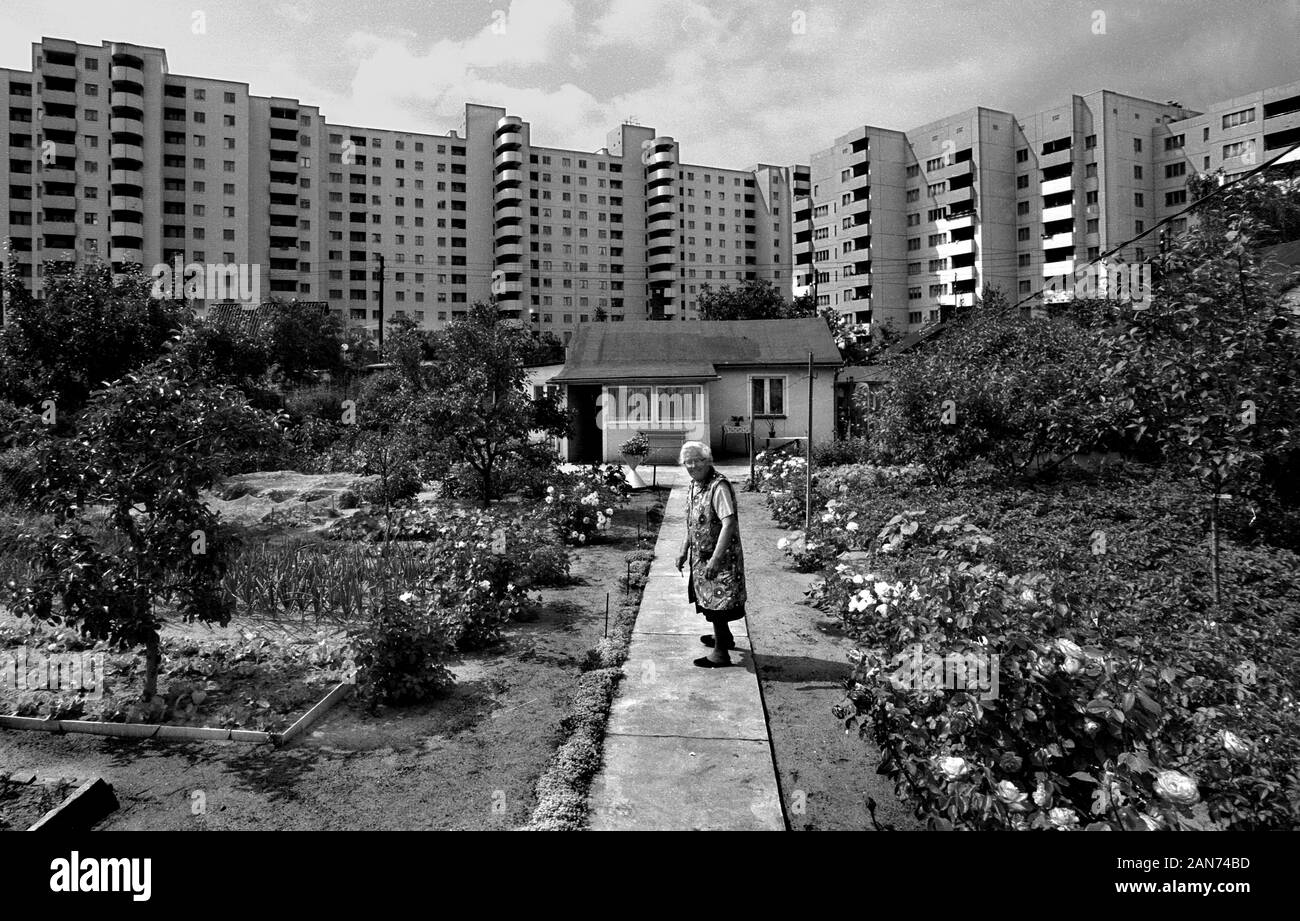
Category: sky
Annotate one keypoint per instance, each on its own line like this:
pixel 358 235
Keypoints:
pixel 735 81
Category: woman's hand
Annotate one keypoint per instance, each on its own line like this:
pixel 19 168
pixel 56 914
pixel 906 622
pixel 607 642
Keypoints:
pixel 681 559
pixel 711 570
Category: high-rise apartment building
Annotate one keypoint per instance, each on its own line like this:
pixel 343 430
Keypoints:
pixel 899 225
pixel 108 156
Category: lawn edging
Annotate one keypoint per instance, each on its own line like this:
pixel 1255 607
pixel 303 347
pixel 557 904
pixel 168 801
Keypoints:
pixel 180 733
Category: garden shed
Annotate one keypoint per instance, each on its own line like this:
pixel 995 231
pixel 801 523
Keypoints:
pixel 698 381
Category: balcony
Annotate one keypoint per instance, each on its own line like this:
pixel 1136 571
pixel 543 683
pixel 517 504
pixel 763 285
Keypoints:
pixel 51 123
pixel 508 159
pixel 1059 213
pixel 51 97
pixel 128 126
pixel 1061 267
pixel 59 202
pixel 509 177
pixel 509 252
pixel 1059 240
pixel 509 214
pixel 133 153
pixel 657 158
pixel 964 273
pixel 509 131
pixel 662 207
pixel 661 274
pixel 1046 161
pixel 284 209
pixel 284 144
pixel 126 229
pixel 955 248
pixel 122 73
pixel 132 103
pixel 57 174
pixel 1054 186
pixel 126 256
pixel 507 197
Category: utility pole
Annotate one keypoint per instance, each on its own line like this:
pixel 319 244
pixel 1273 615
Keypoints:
pixel 807 476
pixel 381 306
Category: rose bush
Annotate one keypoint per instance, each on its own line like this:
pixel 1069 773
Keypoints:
pixel 1124 700
pixel 580 505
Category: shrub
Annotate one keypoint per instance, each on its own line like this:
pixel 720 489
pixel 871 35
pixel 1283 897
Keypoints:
pixel 1124 699
pixel 395 487
pixel 20 472
pixel 581 504
pixel 399 651
pixel 842 451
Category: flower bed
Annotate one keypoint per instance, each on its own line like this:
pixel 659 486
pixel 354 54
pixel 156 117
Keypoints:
pixel 1123 698
pixel 251 683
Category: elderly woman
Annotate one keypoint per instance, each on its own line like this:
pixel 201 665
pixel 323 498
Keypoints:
pixel 717 575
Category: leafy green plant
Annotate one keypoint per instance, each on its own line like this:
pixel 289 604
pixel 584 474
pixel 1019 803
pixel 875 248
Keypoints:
pixel 400 650
pixel 145 447
pixel 580 504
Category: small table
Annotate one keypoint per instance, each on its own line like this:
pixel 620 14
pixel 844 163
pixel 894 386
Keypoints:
pixel 741 429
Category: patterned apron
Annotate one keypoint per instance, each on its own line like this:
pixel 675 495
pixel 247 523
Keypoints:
pixel 726 591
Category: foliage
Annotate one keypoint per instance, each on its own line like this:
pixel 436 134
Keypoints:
pixel 842 451
pixel 755 299
pixel 1016 391
pixel 399 651
pixel 476 411
pixel 636 446
pixel 581 504
pixel 145 447
pixel 1124 700
pixel 302 340
pixel 89 327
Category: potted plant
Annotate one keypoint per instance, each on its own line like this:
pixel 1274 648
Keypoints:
pixel 634 451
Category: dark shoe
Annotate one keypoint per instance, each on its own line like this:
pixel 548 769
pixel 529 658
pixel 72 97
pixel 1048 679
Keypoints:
pixel 707 640
pixel 706 662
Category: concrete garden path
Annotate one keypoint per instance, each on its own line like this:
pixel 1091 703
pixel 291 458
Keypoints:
pixel 686 748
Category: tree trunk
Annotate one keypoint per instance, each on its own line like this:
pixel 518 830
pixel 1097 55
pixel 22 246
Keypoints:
pixel 152 662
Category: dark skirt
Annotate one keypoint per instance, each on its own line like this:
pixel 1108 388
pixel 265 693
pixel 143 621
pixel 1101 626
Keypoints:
pixel 710 614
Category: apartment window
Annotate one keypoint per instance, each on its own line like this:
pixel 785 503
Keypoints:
pixel 1175 142
pixel 1174 170
pixel 1022 155
pixel 1022 234
pixel 1090 198
pixel 914 243
pixel 1023 287
pixel 1137 145
pixel 1022 208
pixel 1238 149
pixel 1090 171
pixel 937 214
pixel 1137 171
pixel 914 268
pixel 1023 259
pixel 938 265
pixel 1139 227
pixel 1022 182
pixel 767 396
pixel 200 117
pixel 914 170
pixel 934 164
pixel 92 89
pixel 200 163
pixel 1090 142
pixel 1139 201
pixel 1176 198
pixel 1092 226
pixel 913 294
pixel 229 98
pixel 913 195
pixel 913 220
pixel 1243 117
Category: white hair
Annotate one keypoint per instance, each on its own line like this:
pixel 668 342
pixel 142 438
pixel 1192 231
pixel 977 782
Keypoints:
pixel 695 447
